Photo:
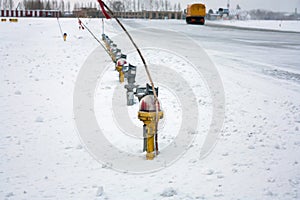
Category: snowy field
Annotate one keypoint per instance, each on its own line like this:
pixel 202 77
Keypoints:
pixel 278 25
pixel 43 156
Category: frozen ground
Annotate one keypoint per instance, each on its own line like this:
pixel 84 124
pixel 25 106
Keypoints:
pixel 278 25
pixel 43 157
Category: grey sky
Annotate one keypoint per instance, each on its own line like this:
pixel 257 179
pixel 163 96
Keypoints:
pixel 276 5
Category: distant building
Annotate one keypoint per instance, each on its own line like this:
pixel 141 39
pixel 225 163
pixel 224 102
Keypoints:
pixel 223 12
pixel 93 12
pixel 87 12
pixel 151 14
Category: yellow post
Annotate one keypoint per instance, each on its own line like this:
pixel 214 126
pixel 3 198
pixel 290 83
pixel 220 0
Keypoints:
pixel 107 45
pixel 113 57
pixel 121 73
pixel 13 20
pixel 65 36
pixel 147 114
pixel 149 119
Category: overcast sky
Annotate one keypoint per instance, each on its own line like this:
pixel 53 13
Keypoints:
pixel 276 5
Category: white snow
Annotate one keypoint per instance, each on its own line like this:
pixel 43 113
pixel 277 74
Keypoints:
pixel 278 25
pixel 168 192
pixel 43 157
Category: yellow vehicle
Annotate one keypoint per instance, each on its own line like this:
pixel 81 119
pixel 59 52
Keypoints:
pixel 195 14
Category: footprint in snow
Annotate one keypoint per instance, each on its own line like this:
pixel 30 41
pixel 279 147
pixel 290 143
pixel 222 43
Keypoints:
pixel 168 192
pixel 18 92
pixel 10 194
pixel 209 172
pixel 39 119
pixel 100 191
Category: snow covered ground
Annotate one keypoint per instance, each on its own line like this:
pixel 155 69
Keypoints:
pixel 278 25
pixel 44 157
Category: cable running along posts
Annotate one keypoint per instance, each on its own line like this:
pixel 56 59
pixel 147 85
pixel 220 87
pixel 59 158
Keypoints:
pixel 83 26
pixel 61 32
pixel 108 16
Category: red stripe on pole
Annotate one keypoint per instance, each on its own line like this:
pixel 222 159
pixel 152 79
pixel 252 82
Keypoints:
pixel 103 10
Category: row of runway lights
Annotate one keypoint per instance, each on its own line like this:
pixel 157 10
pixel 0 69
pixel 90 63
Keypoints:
pixel 10 20
pixel 147 108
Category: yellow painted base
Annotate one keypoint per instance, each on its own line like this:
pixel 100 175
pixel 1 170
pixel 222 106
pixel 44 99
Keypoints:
pixel 121 73
pixel 13 20
pixel 113 57
pixel 149 119
pixel 149 116
pixel 150 156
pixel 121 77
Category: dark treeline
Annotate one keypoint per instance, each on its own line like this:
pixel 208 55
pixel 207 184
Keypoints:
pixel 116 5
pixel 139 5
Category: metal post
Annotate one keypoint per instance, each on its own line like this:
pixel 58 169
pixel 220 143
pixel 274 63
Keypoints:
pixel 130 75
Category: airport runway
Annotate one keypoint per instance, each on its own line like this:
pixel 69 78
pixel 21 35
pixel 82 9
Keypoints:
pixel 257 50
